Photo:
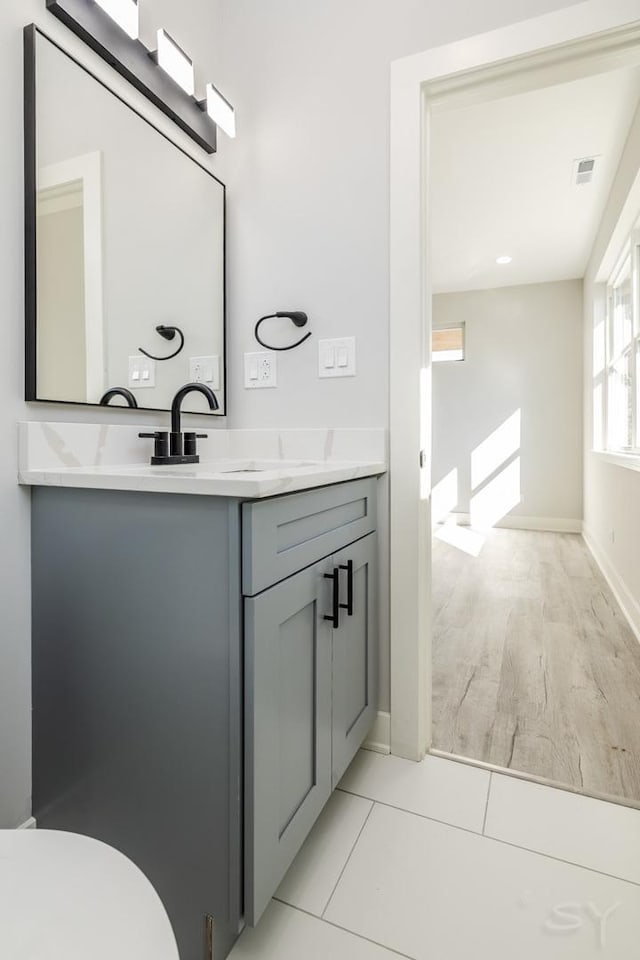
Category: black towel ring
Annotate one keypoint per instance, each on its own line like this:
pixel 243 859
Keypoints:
pixel 169 334
pixel 297 317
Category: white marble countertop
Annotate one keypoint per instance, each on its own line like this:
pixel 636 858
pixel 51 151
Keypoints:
pixel 111 458
pixel 245 479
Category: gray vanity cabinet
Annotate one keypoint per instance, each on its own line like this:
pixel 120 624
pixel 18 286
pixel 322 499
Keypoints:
pixel 310 666
pixel 355 660
pixel 192 704
pixel 288 726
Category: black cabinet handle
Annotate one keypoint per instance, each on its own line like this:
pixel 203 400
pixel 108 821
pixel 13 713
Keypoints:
pixel 335 600
pixel 348 606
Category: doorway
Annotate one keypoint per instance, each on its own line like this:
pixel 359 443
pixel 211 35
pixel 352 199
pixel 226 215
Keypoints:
pixel 471 72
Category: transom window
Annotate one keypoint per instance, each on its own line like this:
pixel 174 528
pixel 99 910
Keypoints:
pixel 447 343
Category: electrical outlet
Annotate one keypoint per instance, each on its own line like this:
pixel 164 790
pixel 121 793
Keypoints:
pixel 142 372
pixel 260 371
pixel 205 370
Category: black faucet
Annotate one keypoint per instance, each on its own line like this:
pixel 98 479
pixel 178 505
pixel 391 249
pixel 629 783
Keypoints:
pixel 119 392
pixel 176 447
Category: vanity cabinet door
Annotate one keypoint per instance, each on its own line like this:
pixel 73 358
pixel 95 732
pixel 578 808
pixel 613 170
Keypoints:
pixel 355 652
pixel 288 726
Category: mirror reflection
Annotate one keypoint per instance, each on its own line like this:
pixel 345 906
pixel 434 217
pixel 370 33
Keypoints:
pixel 130 251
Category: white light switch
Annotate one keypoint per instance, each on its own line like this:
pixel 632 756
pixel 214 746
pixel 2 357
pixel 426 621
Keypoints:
pixel 260 371
pixel 142 372
pixel 329 358
pixel 337 358
pixel 205 370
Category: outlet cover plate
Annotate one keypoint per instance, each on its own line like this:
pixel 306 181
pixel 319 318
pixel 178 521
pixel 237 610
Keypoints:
pixel 142 373
pixel 260 371
pixel 337 358
pixel 205 370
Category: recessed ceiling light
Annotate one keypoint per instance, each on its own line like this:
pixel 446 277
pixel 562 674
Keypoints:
pixel 503 260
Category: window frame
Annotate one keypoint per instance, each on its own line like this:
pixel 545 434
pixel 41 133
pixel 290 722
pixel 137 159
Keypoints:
pixel 442 326
pixel 630 255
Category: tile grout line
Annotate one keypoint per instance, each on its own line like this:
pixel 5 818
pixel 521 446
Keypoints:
pixel 337 926
pixel 486 806
pixel 423 816
pixel 346 863
pixel 506 843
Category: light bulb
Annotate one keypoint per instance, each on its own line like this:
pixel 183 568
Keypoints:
pixel 125 13
pixel 176 63
pixel 221 111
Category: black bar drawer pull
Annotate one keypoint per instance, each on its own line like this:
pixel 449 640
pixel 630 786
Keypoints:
pixel 348 606
pixel 335 600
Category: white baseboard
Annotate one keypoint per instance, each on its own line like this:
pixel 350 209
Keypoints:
pixel 627 602
pixel 549 524
pixel 379 739
pixel 29 824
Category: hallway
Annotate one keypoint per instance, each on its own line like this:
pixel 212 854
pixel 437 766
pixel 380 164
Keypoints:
pixel 535 667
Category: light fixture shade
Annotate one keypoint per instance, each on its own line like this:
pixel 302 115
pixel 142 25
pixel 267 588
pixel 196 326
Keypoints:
pixel 221 111
pixel 503 260
pixel 125 13
pixel 176 63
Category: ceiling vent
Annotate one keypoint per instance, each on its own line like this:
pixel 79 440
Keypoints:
pixel 584 170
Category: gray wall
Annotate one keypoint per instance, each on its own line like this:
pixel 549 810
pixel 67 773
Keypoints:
pixel 309 227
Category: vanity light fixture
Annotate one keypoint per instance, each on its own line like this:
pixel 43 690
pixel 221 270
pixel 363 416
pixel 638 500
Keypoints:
pixel 503 260
pixel 125 13
pixel 110 28
pixel 220 110
pixel 175 62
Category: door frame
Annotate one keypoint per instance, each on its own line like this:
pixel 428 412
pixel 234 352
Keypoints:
pixel 87 170
pixel 414 81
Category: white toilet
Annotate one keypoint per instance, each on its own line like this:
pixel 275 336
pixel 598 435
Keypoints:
pixel 67 897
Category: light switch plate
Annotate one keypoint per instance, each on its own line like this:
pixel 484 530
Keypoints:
pixel 260 371
pixel 205 370
pixel 142 373
pixel 337 358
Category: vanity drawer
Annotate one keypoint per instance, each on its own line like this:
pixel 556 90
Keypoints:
pixel 286 534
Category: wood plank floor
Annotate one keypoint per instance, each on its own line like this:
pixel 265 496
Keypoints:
pixel 535 666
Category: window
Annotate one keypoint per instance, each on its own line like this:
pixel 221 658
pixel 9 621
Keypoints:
pixel 447 343
pixel 622 344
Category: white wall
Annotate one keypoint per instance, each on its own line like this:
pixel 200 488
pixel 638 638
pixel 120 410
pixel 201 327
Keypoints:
pixel 309 178
pixel 518 392
pixel 612 492
pixel 198 28
pixel 308 210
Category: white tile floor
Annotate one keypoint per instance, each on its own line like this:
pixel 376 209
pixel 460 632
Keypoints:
pixel 442 861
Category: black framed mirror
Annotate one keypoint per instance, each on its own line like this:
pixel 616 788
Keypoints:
pixel 125 248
